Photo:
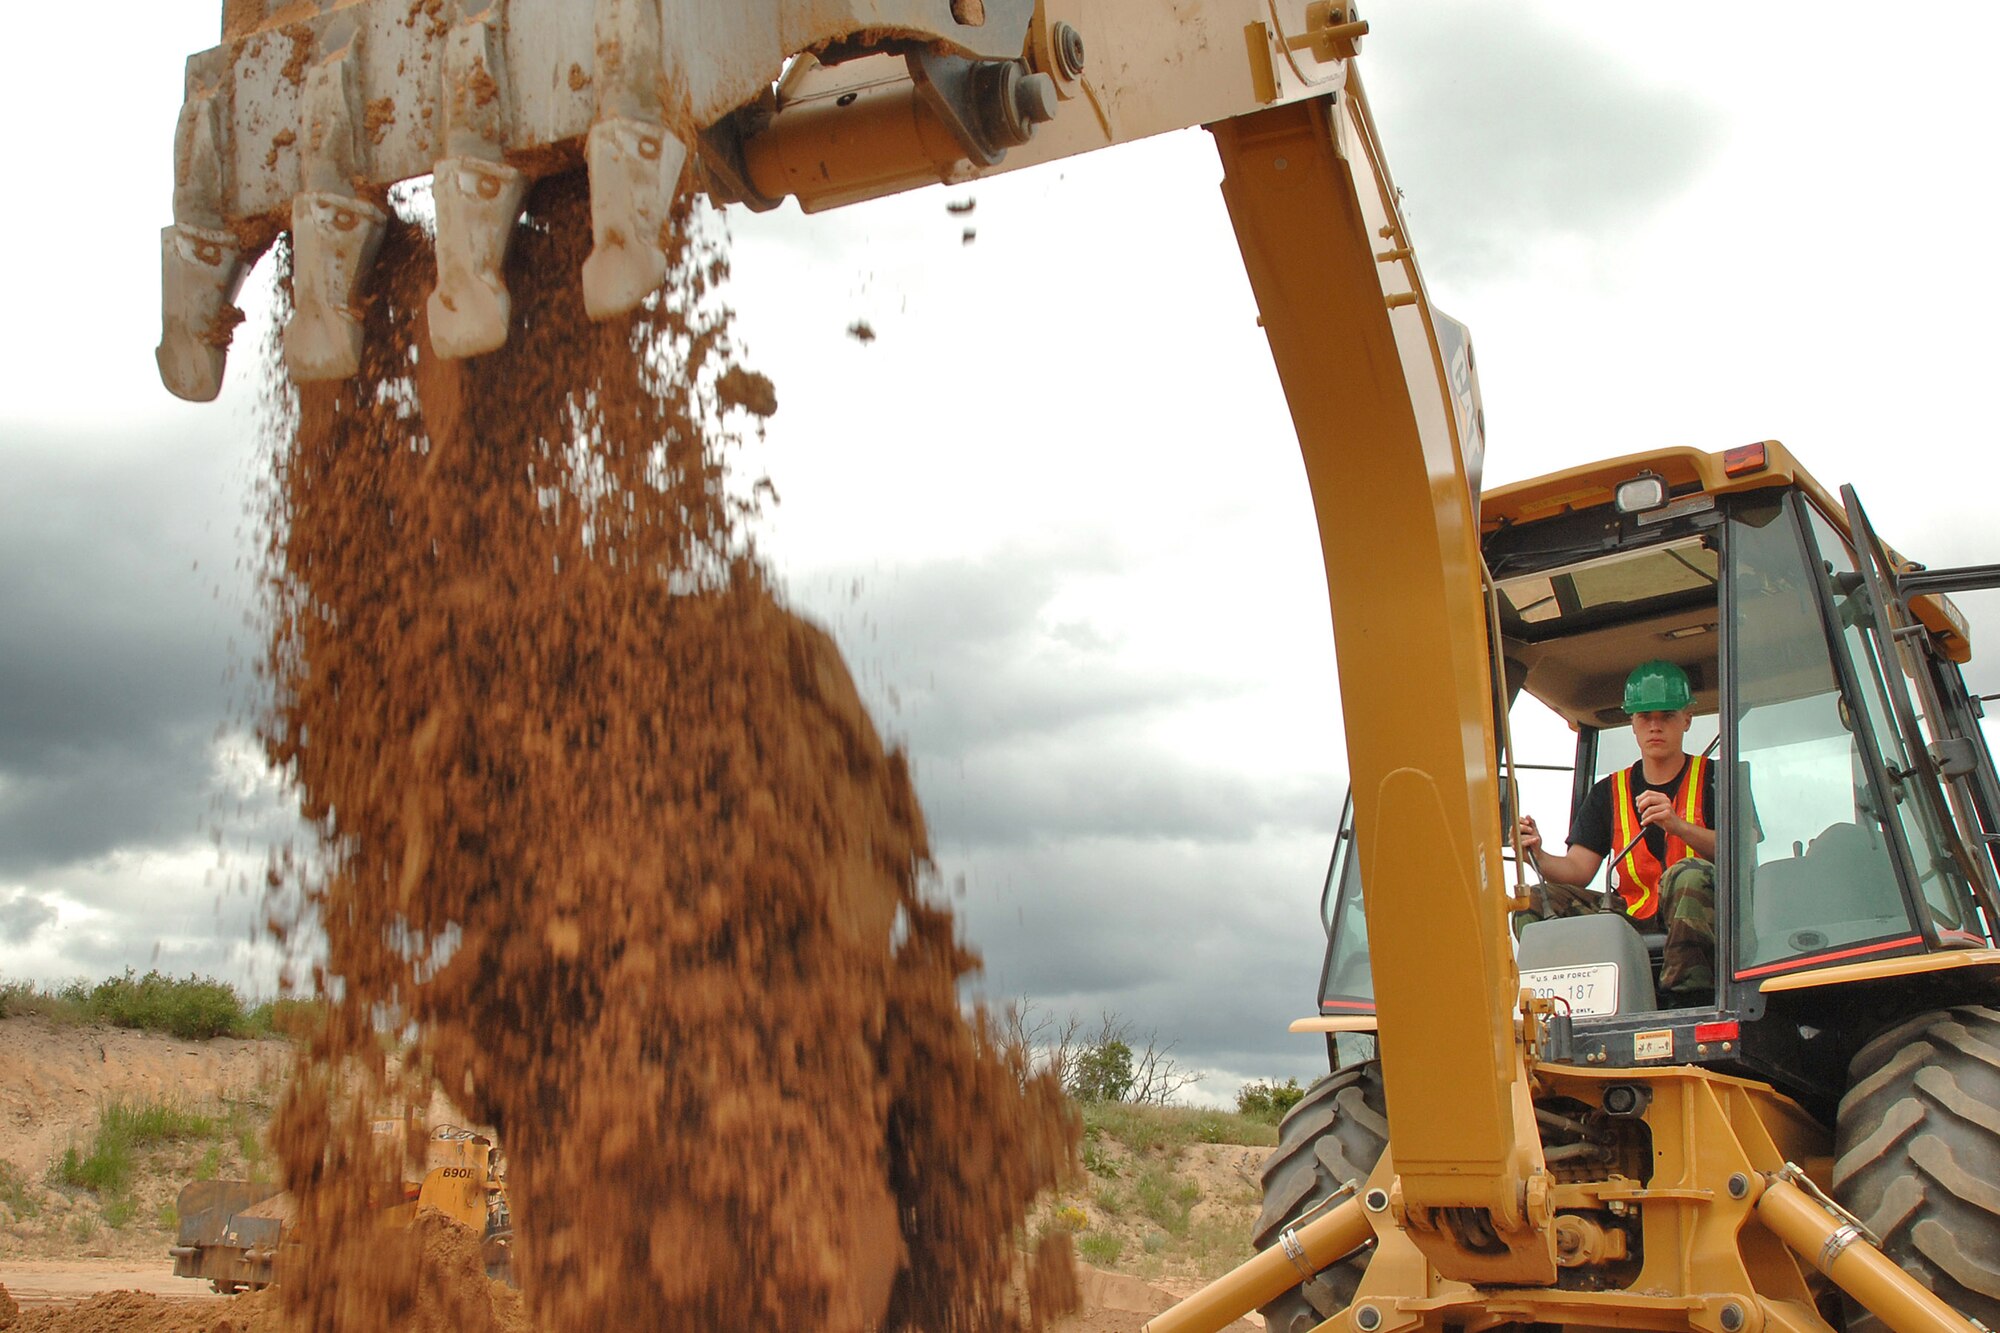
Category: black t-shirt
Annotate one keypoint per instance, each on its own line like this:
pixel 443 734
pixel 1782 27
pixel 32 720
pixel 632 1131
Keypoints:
pixel 1594 821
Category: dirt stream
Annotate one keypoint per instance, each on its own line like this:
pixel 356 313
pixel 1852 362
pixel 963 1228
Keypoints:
pixel 609 829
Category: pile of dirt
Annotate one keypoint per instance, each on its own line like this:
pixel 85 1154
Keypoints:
pixel 451 1294
pixel 610 831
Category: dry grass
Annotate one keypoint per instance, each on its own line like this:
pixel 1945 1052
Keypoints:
pixel 1166 1192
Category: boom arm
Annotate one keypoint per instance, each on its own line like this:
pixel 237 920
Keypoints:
pixel 1385 421
pixel 305 121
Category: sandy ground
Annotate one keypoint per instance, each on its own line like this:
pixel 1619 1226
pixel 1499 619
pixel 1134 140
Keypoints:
pixel 53 1079
pixel 53 1281
pixel 1113 1302
pixel 54 1082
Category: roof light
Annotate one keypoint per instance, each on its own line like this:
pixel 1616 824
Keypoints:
pixel 1648 490
pixel 1688 631
pixel 1745 458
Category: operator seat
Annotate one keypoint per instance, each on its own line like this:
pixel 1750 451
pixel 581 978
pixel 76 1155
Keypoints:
pixel 1600 937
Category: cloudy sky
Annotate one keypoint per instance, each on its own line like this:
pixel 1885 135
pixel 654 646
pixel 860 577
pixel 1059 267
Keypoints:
pixel 1054 512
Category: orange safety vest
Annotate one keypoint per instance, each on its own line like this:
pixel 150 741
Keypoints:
pixel 1638 875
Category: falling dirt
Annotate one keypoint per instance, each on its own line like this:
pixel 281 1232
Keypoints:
pixel 606 830
pixel 747 389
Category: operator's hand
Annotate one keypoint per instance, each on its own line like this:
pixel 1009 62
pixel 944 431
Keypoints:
pixel 1531 837
pixel 1656 810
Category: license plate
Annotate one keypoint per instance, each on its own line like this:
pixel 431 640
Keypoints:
pixel 1590 990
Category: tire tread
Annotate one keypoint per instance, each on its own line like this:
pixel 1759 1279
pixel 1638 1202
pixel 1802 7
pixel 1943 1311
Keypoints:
pixel 1334 1135
pixel 1917 1151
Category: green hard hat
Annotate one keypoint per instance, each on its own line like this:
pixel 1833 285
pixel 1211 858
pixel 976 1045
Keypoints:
pixel 1657 687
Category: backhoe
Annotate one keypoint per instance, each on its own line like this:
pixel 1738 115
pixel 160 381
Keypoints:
pixel 1544 1166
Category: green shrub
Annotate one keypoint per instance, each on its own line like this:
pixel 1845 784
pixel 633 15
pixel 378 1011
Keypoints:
pixel 15 1191
pixel 119 1211
pixel 1165 1201
pixel 1103 1073
pixel 105 1167
pixel 169 1218
pixel 1268 1102
pixel 143 1124
pixel 193 1009
pixel 1100 1248
pixel 210 1165
pixel 82 1229
pixel 21 999
pixel 1095 1160
pixel 1167 1130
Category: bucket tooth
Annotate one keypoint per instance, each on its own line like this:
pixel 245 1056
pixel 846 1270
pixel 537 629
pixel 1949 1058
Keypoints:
pixel 478 195
pixel 334 233
pixel 634 163
pixel 477 203
pixel 201 263
pixel 635 167
pixel 334 239
pixel 200 271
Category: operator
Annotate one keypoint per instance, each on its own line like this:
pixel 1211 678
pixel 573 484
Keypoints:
pixel 1667 878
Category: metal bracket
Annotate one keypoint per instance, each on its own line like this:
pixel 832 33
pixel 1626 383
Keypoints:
pixel 989 106
pixel 478 195
pixel 1852 1228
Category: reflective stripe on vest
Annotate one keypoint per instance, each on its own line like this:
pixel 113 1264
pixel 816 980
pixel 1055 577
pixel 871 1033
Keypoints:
pixel 1638 874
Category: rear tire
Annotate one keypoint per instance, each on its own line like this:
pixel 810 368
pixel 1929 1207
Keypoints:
pixel 1917 1156
pixel 1334 1136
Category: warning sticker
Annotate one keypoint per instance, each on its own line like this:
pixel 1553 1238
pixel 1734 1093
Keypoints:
pixel 1655 1045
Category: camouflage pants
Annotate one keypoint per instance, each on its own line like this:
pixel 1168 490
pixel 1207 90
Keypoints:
pixel 1687 909
pixel 1687 912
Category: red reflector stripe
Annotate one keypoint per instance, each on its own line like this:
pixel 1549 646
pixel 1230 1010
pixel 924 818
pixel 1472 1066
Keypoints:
pixel 1729 1031
pixel 1796 964
pixel 1742 459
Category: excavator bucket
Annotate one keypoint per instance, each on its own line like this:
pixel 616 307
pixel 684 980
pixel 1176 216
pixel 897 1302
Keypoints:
pixel 310 110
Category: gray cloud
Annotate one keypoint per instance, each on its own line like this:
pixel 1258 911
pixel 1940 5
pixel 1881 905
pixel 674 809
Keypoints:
pixel 1095 869
pixel 113 555
pixel 1510 131
pixel 21 915
pixel 1027 729
pixel 1213 945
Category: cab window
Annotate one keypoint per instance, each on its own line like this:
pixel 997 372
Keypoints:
pixel 1815 871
